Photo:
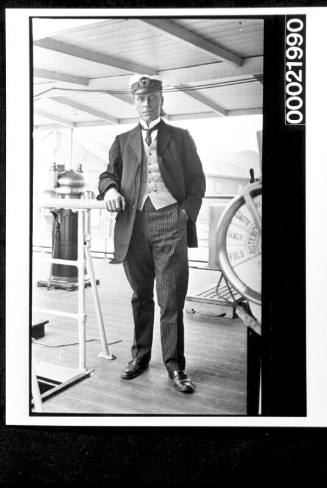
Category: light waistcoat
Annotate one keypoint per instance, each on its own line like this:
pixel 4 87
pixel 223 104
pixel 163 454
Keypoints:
pixel 152 184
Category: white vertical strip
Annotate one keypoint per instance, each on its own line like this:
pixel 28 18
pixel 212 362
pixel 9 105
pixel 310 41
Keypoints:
pixel 316 220
pixel 17 217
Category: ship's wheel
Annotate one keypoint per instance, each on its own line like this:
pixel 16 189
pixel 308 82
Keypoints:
pixel 239 245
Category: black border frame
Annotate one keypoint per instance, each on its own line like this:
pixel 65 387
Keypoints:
pixel 200 455
pixel 284 381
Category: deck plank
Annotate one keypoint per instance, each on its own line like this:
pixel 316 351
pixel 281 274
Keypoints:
pixel 215 353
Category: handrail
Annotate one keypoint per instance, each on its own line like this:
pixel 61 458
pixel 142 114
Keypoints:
pixel 90 204
pixel 219 197
pixel 69 203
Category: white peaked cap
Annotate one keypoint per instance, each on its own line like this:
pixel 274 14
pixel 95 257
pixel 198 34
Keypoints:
pixel 136 78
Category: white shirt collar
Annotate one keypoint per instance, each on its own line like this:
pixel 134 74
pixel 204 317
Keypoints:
pixel 152 123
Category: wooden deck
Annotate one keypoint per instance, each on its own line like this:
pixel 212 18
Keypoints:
pixel 215 353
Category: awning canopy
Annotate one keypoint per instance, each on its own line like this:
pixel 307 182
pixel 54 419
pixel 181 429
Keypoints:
pixel 211 67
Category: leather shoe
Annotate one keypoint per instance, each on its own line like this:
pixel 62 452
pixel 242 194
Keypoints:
pixel 133 369
pixel 182 382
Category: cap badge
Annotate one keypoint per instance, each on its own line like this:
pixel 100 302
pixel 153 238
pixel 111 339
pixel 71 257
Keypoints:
pixel 144 82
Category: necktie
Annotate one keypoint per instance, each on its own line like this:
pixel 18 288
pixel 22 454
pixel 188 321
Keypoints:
pixel 148 138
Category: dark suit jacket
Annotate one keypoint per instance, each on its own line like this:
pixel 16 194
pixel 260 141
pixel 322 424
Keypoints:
pixel 180 168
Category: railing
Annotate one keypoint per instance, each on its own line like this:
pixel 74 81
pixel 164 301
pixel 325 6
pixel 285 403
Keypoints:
pixel 218 197
pixel 84 260
pixel 103 229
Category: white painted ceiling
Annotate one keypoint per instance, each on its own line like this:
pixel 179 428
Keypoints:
pixel 211 67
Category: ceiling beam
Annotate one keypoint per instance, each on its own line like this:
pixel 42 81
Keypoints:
pixel 115 86
pixel 47 126
pixel 177 31
pixel 245 111
pixel 196 115
pixel 212 71
pixel 189 116
pixel 192 74
pixel 54 75
pixel 202 99
pixel 86 109
pixel 121 96
pixel 259 78
pixel 94 56
pixel 92 123
pixel 55 118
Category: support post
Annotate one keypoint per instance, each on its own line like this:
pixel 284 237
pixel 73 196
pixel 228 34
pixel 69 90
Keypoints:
pixel 81 293
pixel 105 353
pixel 71 146
pixel 38 407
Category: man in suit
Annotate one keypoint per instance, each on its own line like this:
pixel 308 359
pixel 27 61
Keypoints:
pixel 155 181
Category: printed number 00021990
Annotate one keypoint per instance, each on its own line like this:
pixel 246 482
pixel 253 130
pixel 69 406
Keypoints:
pixel 294 71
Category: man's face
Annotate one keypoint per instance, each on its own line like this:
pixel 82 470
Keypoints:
pixel 148 105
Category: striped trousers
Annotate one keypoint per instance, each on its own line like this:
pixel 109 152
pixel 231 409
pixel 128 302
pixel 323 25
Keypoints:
pixel 158 253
